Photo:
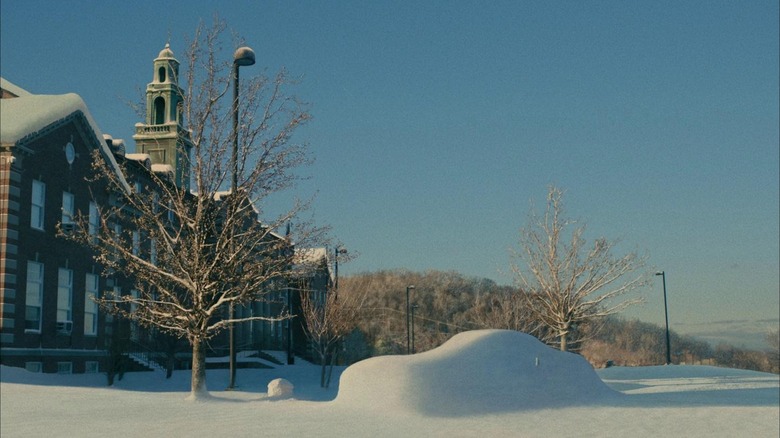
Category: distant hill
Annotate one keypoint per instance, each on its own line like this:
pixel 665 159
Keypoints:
pixel 445 303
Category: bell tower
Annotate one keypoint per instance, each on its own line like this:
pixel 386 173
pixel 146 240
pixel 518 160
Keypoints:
pixel 163 136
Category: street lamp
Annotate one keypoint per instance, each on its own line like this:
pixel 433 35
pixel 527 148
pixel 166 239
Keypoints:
pixel 666 316
pixel 336 251
pixel 408 338
pixel 290 355
pixel 414 306
pixel 243 56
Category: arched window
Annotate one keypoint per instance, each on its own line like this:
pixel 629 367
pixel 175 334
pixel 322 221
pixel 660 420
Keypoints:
pixel 161 74
pixel 159 111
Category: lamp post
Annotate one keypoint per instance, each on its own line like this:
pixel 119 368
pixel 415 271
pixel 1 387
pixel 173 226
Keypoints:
pixel 243 56
pixel 408 338
pixel 290 355
pixel 666 316
pixel 336 251
pixel 414 306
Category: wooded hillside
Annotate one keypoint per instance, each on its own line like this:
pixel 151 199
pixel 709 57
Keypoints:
pixel 446 303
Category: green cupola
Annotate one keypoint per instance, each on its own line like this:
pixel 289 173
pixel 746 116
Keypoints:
pixel 163 136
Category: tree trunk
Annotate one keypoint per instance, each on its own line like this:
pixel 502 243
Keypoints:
pixel 564 346
pixel 169 365
pixel 324 365
pixel 198 388
pixel 333 358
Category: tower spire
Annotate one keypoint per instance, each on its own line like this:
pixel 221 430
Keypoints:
pixel 163 136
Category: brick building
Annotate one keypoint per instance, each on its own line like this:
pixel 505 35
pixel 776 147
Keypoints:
pixel 48 321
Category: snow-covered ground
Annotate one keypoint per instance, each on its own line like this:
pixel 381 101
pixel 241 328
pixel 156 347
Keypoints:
pixel 484 383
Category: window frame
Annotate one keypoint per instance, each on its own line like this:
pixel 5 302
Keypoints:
pixel 94 220
pixel 68 289
pixel 64 367
pixel 39 281
pixel 34 367
pixel 136 244
pixel 68 208
pixel 38 205
pixel 90 306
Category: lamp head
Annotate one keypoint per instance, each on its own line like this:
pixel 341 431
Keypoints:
pixel 244 56
pixel 659 273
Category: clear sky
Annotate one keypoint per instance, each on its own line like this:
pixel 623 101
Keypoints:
pixel 436 124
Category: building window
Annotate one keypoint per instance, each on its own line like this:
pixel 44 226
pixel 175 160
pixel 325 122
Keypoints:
pixel 118 236
pixel 64 367
pixel 153 252
pixel 91 367
pixel 32 319
pixel 159 111
pixel 94 221
pixel 67 208
pixel 64 295
pixel 136 242
pixel 33 367
pixel 38 204
pixel 90 305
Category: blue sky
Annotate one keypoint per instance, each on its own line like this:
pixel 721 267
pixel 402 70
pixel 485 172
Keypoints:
pixel 436 124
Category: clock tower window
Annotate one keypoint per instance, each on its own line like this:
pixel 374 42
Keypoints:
pixel 159 111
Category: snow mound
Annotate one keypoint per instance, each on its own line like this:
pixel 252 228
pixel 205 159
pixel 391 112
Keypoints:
pixel 476 372
pixel 280 388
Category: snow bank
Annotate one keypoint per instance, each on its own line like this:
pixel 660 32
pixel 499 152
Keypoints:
pixel 707 402
pixel 477 372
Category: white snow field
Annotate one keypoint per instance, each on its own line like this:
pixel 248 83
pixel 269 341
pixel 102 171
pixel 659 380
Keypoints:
pixel 487 383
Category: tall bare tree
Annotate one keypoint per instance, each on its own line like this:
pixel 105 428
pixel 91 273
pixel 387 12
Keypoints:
pixel 566 282
pixel 203 250
pixel 328 320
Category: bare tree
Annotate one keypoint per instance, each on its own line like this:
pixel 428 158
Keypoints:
pixel 328 320
pixel 205 249
pixel 566 283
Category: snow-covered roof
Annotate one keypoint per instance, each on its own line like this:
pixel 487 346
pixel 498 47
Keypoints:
pixel 221 194
pixel 143 159
pixel 162 168
pixel 310 256
pixel 307 260
pixel 12 88
pixel 26 117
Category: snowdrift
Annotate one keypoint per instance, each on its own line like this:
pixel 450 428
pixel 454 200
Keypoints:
pixel 474 373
